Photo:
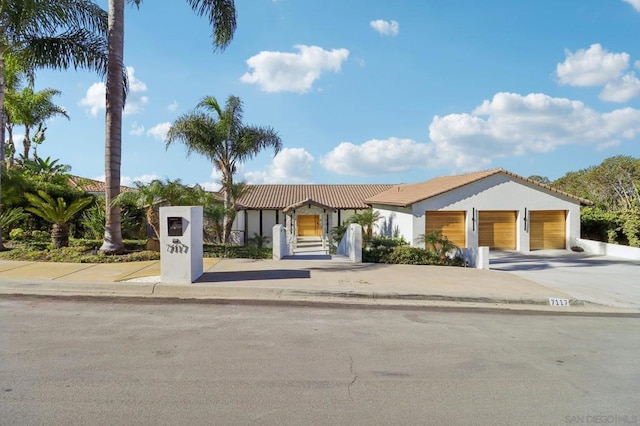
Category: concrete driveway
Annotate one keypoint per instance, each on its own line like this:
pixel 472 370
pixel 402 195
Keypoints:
pixel 599 279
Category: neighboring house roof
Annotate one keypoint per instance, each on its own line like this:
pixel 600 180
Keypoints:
pixel 406 195
pixel 90 185
pixel 279 197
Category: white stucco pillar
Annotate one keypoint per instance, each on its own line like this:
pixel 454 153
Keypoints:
pixel 181 243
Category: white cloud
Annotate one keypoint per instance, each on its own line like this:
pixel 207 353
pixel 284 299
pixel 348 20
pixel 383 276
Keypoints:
pixel 606 145
pixel 137 129
pixel 159 131
pixel 95 96
pixel 594 66
pixel 621 90
pixel 146 178
pixel 383 27
pixel 128 181
pixel 173 106
pixel 634 3
pixel 513 125
pixel 375 157
pixel 291 165
pixel 598 67
pixel 216 185
pixel 94 99
pixel 292 72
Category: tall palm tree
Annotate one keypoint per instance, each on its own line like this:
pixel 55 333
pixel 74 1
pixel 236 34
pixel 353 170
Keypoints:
pixel 56 34
pixel 222 17
pixel 221 136
pixel 30 109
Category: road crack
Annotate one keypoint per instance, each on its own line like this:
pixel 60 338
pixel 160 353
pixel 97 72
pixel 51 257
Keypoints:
pixel 355 376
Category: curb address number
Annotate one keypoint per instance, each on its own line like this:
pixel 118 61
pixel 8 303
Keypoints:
pixel 557 301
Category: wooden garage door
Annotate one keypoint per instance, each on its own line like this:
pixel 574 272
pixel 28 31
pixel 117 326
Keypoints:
pixel 497 229
pixel 451 224
pixel 308 225
pixel 548 229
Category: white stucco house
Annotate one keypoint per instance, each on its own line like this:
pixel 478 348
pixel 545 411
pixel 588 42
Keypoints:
pixel 306 211
pixel 493 208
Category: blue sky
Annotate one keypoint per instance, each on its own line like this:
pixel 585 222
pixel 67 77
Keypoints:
pixel 367 91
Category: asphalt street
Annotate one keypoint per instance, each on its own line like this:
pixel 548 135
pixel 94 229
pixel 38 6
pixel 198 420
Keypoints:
pixel 74 362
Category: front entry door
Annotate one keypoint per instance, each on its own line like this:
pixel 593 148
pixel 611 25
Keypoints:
pixel 309 225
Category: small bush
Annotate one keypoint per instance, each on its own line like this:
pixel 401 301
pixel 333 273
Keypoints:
pixel 405 255
pixel 37 235
pixel 380 248
pixel 237 252
pixel 18 234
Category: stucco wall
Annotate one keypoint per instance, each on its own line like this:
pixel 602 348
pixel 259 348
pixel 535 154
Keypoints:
pixel 497 192
pixel 392 218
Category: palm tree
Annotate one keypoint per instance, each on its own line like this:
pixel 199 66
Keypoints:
pixel 222 17
pixel 57 212
pixel 437 243
pixel 155 193
pixel 56 34
pixel 29 109
pixel 221 136
pixel 368 220
pixel 45 167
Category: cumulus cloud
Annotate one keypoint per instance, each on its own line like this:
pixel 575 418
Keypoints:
pixel 621 90
pixel 216 184
pixel 146 178
pixel 634 3
pixel 159 131
pixel 292 72
pixel 128 181
pixel 137 129
pixel 383 27
pixel 376 156
pixel 596 66
pixel 513 125
pixel 95 97
pixel 291 165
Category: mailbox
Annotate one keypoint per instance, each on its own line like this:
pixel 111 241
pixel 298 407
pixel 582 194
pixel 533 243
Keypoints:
pixel 174 226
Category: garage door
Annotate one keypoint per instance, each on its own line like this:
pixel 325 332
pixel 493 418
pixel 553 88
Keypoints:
pixel 548 229
pixel 451 224
pixel 497 229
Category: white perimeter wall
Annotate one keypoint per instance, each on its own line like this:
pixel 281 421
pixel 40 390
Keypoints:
pixel 497 192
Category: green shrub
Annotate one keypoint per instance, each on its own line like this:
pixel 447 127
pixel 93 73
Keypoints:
pixel 237 252
pixel 380 248
pixel 40 236
pixel 18 234
pixel 406 255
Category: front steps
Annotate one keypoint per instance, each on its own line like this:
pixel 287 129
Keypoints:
pixel 307 246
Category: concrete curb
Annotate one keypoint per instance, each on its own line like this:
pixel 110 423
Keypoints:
pixel 260 295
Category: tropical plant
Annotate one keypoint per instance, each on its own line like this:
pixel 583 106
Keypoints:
pixel 56 34
pixel 30 109
pixel 259 240
pixel 92 221
pixel 45 167
pixel 222 17
pixel 437 244
pixel 56 212
pixel 152 195
pixel 221 136
pixel 368 219
pixel 12 216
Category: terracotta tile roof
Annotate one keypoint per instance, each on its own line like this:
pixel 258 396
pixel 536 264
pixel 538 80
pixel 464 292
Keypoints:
pixel 405 195
pixel 278 197
pixel 91 185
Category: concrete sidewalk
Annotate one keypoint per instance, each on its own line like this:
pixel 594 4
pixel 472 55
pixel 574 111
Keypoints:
pixel 307 281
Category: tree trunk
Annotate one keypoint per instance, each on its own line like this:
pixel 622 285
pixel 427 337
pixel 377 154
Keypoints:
pixel 26 142
pixel 113 139
pixel 3 120
pixel 154 221
pixel 60 235
pixel 227 182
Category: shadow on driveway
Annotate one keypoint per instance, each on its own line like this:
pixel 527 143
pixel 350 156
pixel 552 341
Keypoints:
pixel 272 274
